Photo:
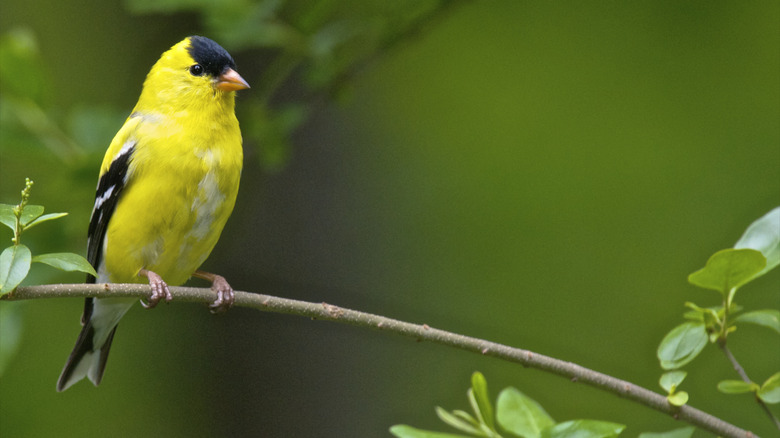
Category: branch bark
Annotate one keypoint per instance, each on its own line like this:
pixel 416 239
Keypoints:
pixel 328 312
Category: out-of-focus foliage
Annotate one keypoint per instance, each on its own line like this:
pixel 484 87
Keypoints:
pixel 542 174
pixel 25 100
pixel 319 45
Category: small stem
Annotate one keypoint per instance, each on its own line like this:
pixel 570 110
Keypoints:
pixel 19 209
pixel 17 239
pixel 724 322
pixel 734 363
pixel 743 375
pixel 420 332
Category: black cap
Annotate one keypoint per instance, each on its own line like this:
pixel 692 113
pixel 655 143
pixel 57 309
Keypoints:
pixel 214 59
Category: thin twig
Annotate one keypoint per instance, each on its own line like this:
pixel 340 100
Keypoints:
pixel 328 312
pixel 743 375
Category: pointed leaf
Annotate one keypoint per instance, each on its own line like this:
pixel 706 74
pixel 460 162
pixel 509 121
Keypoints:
pixel 66 261
pixel 682 345
pixel 584 429
pixel 14 266
pixel 707 312
pixel 694 316
pixel 671 380
pixel 30 213
pixel 466 416
pixel 764 235
pixel 480 391
pixel 404 431
pixel 456 422
pixel 685 432
pixel 768 318
pixel 736 387
pixel 678 398
pixel 7 216
pixel 728 269
pixel 520 414
pixel 44 218
pixel 770 390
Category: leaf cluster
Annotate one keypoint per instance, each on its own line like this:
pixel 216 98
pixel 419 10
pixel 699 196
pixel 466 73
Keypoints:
pixel 515 415
pixel 726 272
pixel 15 260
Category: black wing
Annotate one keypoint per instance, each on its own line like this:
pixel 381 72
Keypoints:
pixel 109 189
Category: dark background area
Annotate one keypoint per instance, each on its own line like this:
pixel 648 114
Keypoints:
pixel 543 175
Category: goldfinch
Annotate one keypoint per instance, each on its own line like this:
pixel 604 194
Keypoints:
pixel 167 185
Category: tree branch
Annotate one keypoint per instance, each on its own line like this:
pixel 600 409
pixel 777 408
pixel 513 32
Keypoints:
pixel 329 312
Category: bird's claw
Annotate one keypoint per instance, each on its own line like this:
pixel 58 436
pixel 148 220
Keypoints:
pixel 159 290
pixel 225 296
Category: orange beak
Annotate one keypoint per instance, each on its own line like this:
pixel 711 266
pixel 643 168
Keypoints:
pixel 230 80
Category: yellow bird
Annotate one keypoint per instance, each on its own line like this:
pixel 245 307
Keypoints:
pixel 167 185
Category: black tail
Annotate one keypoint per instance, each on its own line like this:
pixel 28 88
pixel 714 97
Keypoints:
pixel 85 360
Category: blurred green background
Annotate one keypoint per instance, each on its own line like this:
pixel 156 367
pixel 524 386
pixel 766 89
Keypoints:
pixel 540 174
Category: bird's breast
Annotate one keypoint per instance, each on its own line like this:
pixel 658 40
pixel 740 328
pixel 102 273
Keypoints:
pixel 182 190
pixel 209 196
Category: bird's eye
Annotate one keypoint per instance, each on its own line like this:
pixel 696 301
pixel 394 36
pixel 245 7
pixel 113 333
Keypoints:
pixel 196 70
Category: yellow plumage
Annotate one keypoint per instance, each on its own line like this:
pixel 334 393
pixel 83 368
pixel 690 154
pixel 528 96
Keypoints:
pixel 167 186
pixel 194 153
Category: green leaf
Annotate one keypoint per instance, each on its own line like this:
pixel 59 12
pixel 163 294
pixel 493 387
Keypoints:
pixel 728 269
pixel 583 429
pixel 481 397
pixel 66 261
pixel 404 431
pixel 707 315
pixel 44 218
pixel 694 316
pixel 520 414
pixel 671 380
pixel 684 432
pixel 682 345
pixel 30 213
pixel 273 131
pixel 14 266
pixel 466 416
pixel 678 398
pixel 7 216
pixel 329 37
pixel 768 318
pixel 456 422
pixel 736 387
pixel 770 390
pixel 764 235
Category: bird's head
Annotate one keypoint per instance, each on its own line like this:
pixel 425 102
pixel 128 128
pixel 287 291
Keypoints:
pixel 194 72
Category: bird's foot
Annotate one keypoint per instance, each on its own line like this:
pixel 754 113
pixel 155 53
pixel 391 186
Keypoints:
pixel 159 289
pixel 225 296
